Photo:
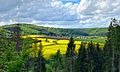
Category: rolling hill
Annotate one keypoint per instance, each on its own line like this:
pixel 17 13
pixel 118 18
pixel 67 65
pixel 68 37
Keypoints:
pixel 30 29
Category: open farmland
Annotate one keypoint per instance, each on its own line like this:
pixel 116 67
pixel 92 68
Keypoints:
pixel 52 45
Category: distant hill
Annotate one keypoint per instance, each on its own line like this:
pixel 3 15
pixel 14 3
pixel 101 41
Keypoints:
pixel 28 29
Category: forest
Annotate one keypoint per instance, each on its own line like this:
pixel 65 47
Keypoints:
pixel 16 54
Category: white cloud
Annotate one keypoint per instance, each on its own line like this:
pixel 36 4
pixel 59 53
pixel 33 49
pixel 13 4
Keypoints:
pixel 98 12
pixel 87 13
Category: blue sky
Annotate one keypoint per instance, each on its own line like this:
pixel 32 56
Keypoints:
pixel 73 1
pixel 60 13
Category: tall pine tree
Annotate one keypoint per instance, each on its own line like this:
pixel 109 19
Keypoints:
pixel 81 61
pixel 57 62
pixel 95 60
pixel 114 46
pixel 39 61
pixel 70 56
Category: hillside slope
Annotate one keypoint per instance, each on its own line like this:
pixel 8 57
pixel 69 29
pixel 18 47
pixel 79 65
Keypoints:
pixel 28 29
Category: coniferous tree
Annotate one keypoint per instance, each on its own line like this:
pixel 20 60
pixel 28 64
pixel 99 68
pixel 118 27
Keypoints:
pixel 71 48
pixel 40 66
pixel 113 38
pixel 57 65
pixel 99 61
pixel 107 54
pixel 39 62
pixel 70 56
pixel 81 61
pixel 95 60
pixel 112 48
pixel 109 50
pixel 90 53
pixel 25 54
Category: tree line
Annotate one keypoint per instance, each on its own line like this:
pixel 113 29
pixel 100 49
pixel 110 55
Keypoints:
pixel 15 54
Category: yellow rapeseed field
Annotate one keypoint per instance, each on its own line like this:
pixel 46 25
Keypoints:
pixel 49 48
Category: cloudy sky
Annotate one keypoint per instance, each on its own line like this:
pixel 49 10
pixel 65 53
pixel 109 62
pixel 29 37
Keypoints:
pixel 60 13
